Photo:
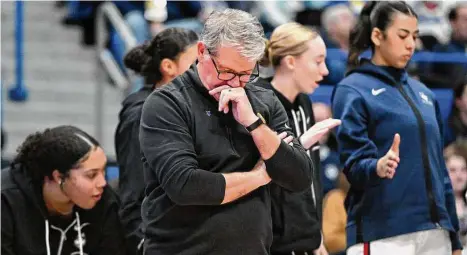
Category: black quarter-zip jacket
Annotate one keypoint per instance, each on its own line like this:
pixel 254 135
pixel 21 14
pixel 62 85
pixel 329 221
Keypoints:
pixel 296 216
pixel 131 180
pixel 187 144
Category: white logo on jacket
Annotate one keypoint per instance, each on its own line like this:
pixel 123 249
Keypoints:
pixel 376 92
pixel 425 98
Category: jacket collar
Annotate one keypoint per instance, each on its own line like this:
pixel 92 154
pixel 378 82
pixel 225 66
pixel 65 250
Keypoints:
pixel 387 74
pixel 192 76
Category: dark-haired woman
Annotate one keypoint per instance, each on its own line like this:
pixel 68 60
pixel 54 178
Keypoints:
pixel 390 141
pixel 55 199
pixel 456 128
pixel 159 61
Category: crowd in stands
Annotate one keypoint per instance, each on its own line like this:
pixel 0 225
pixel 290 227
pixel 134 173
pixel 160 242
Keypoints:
pixel 443 29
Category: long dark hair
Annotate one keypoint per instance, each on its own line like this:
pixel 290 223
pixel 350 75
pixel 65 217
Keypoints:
pixel 146 58
pixel 374 14
pixel 454 118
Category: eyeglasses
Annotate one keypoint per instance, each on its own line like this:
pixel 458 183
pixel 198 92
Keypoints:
pixel 228 75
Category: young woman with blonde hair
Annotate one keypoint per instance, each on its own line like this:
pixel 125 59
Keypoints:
pixel 297 54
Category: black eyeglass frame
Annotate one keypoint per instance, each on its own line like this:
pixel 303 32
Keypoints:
pixel 251 77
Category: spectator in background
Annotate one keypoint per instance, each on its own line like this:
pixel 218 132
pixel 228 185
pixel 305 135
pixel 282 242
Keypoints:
pixel 456 161
pixel 447 75
pixel 329 157
pixel 311 14
pixel 83 14
pixel 390 143
pixel 433 21
pixel 275 13
pixel 155 12
pixel 160 60
pixel 147 18
pixel 297 55
pixel 357 5
pixel 162 14
pixel 132 12
pixel 335 217
pixel 55 199
pixel 337 21
pixel 186 14
pixel 456 127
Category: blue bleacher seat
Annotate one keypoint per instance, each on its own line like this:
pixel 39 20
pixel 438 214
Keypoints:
pixel 322 94
pixel 445 99
pixel 111 172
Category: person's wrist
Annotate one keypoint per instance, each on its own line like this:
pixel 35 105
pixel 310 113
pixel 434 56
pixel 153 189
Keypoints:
pixel 263 178
pixel 303 142
pixel 379 167
pixel 260 175
pixel 250 120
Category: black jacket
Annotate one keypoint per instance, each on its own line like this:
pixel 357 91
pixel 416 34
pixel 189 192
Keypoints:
pixel 187 143
pixel 28 229
pixel 296 216
pixel 131 180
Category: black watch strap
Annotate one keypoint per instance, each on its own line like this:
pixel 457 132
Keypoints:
pixel 256 124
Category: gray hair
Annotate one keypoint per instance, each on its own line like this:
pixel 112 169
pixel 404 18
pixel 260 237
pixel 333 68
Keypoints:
pixel 331 14
pixel 234 28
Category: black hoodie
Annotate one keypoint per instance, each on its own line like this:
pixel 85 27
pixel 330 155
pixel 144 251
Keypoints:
pixel 28 229
pixel 187 145
pixel 296 216
pixel 131 180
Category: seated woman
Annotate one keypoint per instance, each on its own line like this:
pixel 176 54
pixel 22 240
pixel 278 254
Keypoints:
pixel 456 161
pixel 55 199
pixel 456 127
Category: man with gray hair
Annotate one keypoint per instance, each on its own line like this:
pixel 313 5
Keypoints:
pixel 210 144
pixel 337 21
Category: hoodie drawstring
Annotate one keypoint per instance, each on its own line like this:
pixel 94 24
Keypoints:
pixel 47 245
pixel 80 240
pixel 297 127
pixel 298 134
pixel 63 235
pixel 302 113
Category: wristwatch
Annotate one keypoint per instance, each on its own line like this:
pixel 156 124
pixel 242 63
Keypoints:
pixel 256 124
